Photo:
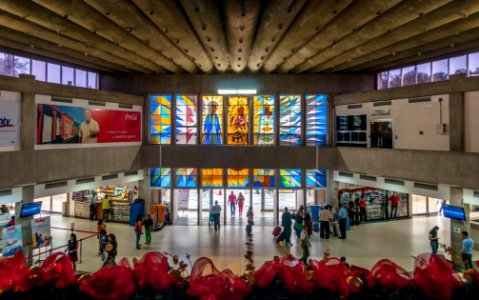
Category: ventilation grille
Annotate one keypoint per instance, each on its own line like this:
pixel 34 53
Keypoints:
pixel 355 106
pixel 419 99
pixel 476 194
pixel 367 177
pixel 425 186
pixel 56 185
pixel 382 103
pixel 345 174
pixel 109 177
pixel 132 173
pixel 85 180
pixel 128 106
pixel 64 100
pixel 5 193
pixel 97 103
pixel 394 181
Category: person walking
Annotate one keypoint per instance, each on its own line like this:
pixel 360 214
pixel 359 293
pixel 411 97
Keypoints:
pixel 299 221
pixel 357 210
pixel 362 209
pixel 215 212
pixel 351 212
pixel 342 216
pixel 434 239
pixel 72 250
pixel 138 230
pixel 394 199
pixel 106 206
pixel 305 244
pixel 286 223
pixel 324 223
pixel 240 202
pixel 466 251
pixel 148 228
pixel 232 202
pixel 111 251
pixel 250 217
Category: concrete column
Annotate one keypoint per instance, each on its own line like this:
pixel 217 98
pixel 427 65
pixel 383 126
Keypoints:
pixel 27 197
pixel 330 187
pixel 457 227
pixel 456 121
pixel 27 119
pixel 144 192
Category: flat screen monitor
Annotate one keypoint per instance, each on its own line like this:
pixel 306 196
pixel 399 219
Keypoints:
pixel 30 209
pixel 454 212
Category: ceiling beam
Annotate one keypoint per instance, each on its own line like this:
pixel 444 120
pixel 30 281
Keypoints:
pixel 314 16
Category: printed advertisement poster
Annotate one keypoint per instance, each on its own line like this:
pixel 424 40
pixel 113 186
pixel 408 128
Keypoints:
pixel 58 124
pixel 9 123
pixel 12 240
pixel 41 236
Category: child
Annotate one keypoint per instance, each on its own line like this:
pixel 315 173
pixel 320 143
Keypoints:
pixel 102 241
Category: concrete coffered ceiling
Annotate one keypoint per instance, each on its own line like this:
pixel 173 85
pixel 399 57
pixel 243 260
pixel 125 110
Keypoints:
pixel 239 36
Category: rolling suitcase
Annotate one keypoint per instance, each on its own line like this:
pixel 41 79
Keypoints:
pixel 277 231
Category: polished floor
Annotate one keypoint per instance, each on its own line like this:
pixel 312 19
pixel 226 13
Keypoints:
pixel 366 244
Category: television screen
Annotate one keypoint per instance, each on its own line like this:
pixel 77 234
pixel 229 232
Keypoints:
pixel 342 122
pixel 30 209
pixel 454 212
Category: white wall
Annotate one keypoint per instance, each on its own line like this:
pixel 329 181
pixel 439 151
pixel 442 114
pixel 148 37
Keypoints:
pixel 471 121
pixel 469 197
pixel 408 120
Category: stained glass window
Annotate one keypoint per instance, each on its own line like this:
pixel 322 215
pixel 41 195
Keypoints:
pixel 160 119
pixel 238 120
pixel 263 178
pixel 238 178
pixel 160 177
pixel 212 120
pixel 316 178
pixel 290 178
pixel 186 178
pixel 316 126
pixel 186 116
pixel 290 120
pixel 212 178
pixel 263 120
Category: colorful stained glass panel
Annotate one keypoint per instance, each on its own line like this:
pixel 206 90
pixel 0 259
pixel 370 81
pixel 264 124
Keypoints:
pixel 238 120
pixel 160 119
pixel 212 120
pixel 212 178
pixel 186 119
pixel 160 177
pixel 264 120
pixel 186 178
pixel 316 111
pixel 290 120
pixel 238 178
pixel 290 178
pixel 316 178
pixel 263 178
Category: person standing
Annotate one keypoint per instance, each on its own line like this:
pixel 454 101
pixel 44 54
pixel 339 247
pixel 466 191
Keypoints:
pixel 138 231
pixel 232 201
pixel 72 249
pixel 101 226
pixel 357 210
pixel 394 199
pixel 443 202
pixel 111 250
pixel 286 223
pixel 342 215
pixel 434 239
pixel 467 246
pixel 250 217
pixel 305 244
pixel 362 209
pixel 240 202
pixel 11 222
pixel 106 206
pixel 299 221
pixel 215 212
pixel 148 228
pixel 324 223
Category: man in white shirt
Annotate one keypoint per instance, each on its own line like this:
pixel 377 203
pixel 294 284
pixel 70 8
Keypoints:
pixel 89 129
pixel 324 223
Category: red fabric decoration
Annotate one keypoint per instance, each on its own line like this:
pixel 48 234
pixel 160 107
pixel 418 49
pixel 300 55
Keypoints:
pixel 57 268
pixel 389 275
pixel 152 270
pixel 435 276
pixel 360 273
pixel 331 274
pixel 265 275
pixel 216 284
pixel 14 274
pixel 113 282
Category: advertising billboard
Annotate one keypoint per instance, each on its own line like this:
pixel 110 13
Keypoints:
pixel 61 124
pixel 41 235
pixel 12 240
pixel 9 123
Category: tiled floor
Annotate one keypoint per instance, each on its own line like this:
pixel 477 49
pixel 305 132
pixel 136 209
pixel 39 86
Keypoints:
pixel 365 245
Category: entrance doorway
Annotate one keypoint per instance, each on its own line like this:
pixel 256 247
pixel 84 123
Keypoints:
pixel 423 205
pixel 184 208
pixel 381 134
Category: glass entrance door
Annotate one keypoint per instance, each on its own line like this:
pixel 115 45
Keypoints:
pixel 381 134
pixel 184 208
pixel 263 206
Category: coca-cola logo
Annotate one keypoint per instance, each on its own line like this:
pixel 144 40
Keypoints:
pixel 132 119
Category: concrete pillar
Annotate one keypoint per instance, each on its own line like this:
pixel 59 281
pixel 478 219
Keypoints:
pixel 330 196
pixel 27 119
pixel 456 121
pixel 144 192
pixel 27 197
pixel 457 227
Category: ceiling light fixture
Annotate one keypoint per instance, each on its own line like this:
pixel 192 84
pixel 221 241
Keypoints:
pixel 237 91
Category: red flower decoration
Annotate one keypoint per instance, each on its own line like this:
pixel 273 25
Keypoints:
pixel 152 270
pixel 331 274
pixel 389 275
pixel 57 268
pixel 14 274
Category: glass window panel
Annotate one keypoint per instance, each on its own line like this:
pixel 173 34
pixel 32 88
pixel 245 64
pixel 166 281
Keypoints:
pixel 53 73
pixel 67 75
pixel 212 120
pixel 6 64
pixel 423 73
pixel 186 119
pixel 92 80
pixel 316 125
pixel 290 178
pixel 21 66
pixel 160 119
pixel 39 69
pixel 238 178
pixel 383 80
pixel 458 65
pixel 160 177
pixel 263 120
pixel 212 177
pixel 316 178
pixel 290 119
pixel 394 78
pixel 80 78
pixel 186 178
pixel 474 63
pixel 238 120
pixel 263 178
pixel 440 70
pixel 409 75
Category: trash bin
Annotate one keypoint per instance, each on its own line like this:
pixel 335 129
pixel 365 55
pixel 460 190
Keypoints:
pixel 314 211
pixel 136 209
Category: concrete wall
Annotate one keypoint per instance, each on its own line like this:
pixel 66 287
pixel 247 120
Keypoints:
pixel 471 120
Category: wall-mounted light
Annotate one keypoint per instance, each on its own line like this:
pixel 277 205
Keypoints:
pixel 237 92
pixel 227 92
